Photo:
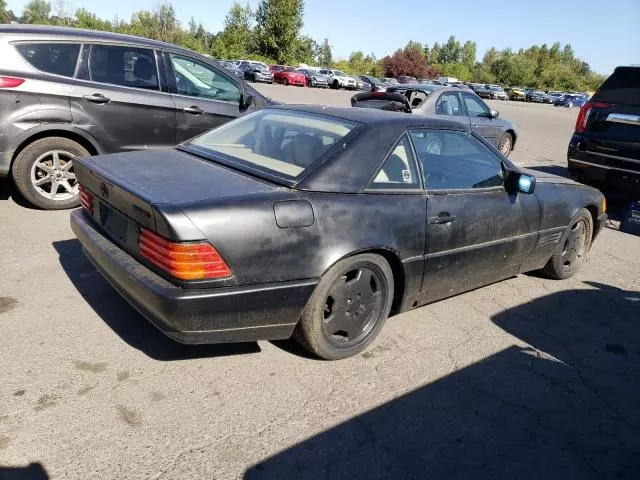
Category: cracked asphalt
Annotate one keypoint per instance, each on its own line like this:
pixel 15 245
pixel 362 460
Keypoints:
pixel 527 378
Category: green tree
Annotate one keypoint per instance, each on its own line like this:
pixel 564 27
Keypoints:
pixel 278 27
pixel 451 51
pixel 37 12
pixel 434 56
pixel 236 40
pixel 306 50
pixel 88 20
pixel 468 54
pixel 168 27
pixel 4 12
pixel 324 57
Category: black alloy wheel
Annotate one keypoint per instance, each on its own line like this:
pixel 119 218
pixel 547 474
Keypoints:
pixel 348 308
pixel 572 248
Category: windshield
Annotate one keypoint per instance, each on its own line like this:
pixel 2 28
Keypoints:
pixel 339 73
pixel 495 88
pixel 279 142
pixel 259 66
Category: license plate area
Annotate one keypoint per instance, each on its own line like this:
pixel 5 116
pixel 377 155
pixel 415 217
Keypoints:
pixel 114 223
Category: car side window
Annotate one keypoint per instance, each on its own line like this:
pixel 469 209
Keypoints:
pixel 449 104
pixel 475 106
pixel 399 170
pixel 453 160
pixel 125 66
pixel 197 79
pixel 56 58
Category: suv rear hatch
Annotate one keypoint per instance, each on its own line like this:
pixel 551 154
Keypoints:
pixel 609 124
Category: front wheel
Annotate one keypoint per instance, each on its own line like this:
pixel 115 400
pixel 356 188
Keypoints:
pixel 335 85
pixel 285 82
pixel 572 249
pixel 348 307
pixel 44 175
pixel 506 144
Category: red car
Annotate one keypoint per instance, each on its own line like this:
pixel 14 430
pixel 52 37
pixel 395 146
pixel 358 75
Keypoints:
pixel 288 76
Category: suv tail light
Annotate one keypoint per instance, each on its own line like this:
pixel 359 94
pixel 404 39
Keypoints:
pixel 583 115
pixel 86 200
pixel 186 261
pixel 10 82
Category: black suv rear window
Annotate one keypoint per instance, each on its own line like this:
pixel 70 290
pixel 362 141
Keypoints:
pixel 58 58
pixel 623 86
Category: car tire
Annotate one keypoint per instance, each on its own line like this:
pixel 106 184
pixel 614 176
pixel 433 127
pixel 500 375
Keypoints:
pixel 572 248
pixel 339 300
pixel 506 144
pixel 285 82
pixel 41 160
pixel 335 85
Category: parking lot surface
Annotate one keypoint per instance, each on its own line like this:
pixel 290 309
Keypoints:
pixel 526 378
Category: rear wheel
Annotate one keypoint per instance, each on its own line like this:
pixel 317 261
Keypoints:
pixel 285 81
pixel 335 85
pixel 348 307
pixel 506 144
pixel 572 248
pixel 44 175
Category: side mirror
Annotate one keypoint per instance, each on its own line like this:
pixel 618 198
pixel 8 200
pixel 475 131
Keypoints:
pixel 246 100
pixel 518 182
pixel 493 114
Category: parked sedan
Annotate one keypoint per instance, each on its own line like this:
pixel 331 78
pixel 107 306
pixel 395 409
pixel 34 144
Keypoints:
pixel 374 84
pixel 481 90
pixel 257 72
pixel 569 101
pixel 230 67
pixel 517 94
pixel 496 92
pixel 339 79
pixel 290 76
pixel 444 102
pixel 536 96
pixel 407 79
pixel 314 79
pixel 240 234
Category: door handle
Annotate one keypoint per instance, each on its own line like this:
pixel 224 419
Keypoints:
pixel 96 98
pixel 442 217
pixel 193 110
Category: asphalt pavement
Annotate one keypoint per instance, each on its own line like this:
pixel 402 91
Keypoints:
pixel 526 378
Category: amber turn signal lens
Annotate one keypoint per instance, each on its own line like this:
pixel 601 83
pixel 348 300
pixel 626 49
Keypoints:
pixel 604 205
pixel 186 261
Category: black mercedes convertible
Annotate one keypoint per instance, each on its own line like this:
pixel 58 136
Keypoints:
pixel 321 222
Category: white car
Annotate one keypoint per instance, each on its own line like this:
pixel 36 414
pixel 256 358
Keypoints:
pixel 339 79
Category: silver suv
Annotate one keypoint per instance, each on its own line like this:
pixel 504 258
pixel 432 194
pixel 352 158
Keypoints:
pixel 66 93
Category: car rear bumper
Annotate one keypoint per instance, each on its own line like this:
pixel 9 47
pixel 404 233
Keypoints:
pixel 588 166
pixel 194 316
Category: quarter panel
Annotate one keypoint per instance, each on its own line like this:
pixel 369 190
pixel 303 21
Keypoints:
pixel 245 232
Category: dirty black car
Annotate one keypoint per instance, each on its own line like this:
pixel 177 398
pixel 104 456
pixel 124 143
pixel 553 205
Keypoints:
pixel 320 222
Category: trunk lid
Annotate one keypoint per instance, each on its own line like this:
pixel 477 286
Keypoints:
pixel 152 187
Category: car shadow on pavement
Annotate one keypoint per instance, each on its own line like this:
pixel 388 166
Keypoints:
pixel 33 471
pixel 124 320
pixel 8 192
pixel 566 407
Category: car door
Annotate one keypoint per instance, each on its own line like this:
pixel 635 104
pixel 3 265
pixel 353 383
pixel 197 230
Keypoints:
pixel 118 101
pixel 204 96
pixel 482 122
pixel 476 232
pixel 448 105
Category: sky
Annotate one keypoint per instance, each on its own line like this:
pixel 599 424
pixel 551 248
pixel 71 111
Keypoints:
pixel 604 34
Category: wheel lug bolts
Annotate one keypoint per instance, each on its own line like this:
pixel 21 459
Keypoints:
pixel 348 300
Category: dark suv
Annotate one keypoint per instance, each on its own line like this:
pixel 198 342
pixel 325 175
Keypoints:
pixel 605 147
pixel 66 93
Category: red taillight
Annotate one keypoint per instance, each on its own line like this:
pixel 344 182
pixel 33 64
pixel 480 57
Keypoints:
pixel 86 200
pixel 583 115
pixel 186 261
pixel 10 82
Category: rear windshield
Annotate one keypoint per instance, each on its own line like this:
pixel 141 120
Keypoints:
pixel 58 58
pixel 279 142
pixel 623 86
